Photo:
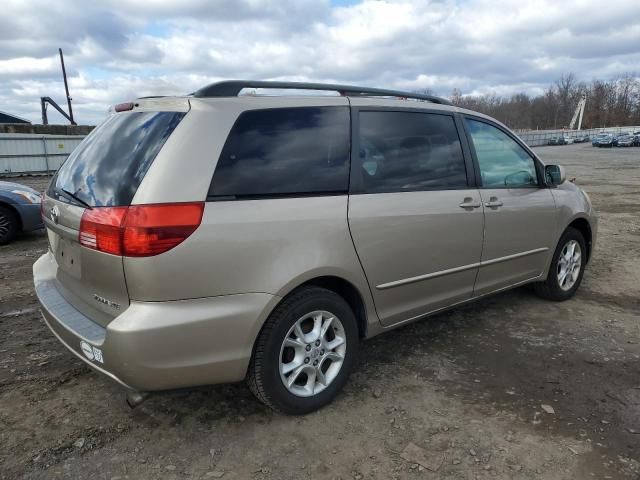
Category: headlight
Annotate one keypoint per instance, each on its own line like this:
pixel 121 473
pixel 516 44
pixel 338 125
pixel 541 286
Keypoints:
pixel 28 196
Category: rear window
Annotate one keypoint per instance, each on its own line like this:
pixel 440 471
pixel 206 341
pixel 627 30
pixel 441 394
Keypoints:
pixel 285 151
pixel 108 166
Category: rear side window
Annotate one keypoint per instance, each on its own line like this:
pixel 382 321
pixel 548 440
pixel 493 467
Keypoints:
pixel 107 167
pixel 409 151
pixel 285 151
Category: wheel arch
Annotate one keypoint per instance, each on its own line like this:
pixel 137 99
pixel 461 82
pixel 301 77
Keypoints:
pixel 337 284
pixel 584 227
pixel 348 292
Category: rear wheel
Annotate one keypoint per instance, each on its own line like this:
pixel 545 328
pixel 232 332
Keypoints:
pixel 9 225
pixel 567 267
pixel 305 352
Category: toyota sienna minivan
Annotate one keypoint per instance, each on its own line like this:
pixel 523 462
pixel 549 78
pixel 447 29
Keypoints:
pixel 224 236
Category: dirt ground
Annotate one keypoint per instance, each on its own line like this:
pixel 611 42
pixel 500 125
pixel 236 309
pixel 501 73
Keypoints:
pixel 466 386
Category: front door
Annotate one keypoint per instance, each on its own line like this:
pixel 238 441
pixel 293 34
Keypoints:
pixel 415 221
pixel 520 212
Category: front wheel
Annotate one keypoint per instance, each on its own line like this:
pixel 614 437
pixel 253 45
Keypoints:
pixel 567 268
pixel 305 352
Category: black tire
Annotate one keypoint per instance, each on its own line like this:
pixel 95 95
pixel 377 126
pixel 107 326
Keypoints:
pixel 550 289
pixel 9 225
pixel 263 376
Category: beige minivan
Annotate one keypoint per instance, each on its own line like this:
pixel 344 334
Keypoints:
pixel 224 236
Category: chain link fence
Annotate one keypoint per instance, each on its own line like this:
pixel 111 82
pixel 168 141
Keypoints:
pixel 536 138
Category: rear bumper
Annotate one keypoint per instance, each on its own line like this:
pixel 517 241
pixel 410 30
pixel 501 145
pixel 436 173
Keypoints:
pixel 159 345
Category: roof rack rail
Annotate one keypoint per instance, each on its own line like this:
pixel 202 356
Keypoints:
pixel 231 88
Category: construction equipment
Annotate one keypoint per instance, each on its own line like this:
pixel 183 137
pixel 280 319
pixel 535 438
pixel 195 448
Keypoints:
pixel 48 100
pixel 578 113
pixel 43 105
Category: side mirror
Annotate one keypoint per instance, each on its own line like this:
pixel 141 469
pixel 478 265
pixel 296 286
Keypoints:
pixel 554 175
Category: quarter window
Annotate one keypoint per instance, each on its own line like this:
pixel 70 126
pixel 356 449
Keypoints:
pixel 409 151
pixel 285 151
pixel 503 162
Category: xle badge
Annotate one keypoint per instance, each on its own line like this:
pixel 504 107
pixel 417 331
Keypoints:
pixel 106 302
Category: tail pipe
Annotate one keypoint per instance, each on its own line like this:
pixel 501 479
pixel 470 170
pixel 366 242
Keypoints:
pixel 136 398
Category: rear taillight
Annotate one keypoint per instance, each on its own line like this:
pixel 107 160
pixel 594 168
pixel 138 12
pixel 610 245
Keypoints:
pixel 101 229
pixel 153 229
pixel 139 230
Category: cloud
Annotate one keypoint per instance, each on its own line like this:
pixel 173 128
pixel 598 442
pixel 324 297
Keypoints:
pixel 117 50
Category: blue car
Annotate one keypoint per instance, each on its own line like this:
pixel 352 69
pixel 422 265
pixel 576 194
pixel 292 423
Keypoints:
pixel 19 210
pixel 606 141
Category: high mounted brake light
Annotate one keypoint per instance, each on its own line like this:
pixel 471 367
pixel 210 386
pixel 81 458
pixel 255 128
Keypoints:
pixel 139 230
pixel 123 107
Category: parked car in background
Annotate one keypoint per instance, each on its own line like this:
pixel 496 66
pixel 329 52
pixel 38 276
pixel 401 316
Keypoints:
pixel 582 138
pixel 223 237
pixel 560 140
pixel 19 210
pixel 605 140
pixel 618 135
pixel 625 140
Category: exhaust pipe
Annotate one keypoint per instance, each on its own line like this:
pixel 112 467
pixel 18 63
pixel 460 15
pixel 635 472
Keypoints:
pixel 136 398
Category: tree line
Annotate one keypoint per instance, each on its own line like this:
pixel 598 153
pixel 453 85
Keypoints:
pixel 610 103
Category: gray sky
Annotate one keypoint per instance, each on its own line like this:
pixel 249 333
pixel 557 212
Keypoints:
pixel 116 50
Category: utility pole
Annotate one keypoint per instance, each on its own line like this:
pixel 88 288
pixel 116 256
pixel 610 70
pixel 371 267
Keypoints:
pixel 66 87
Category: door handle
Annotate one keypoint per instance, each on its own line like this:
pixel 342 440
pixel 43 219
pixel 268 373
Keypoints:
pixel 493 203
pixel 469 202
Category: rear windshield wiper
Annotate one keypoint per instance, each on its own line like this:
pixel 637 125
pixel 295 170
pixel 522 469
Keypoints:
pixel 76 198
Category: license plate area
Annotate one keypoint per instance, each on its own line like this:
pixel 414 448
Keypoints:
pixel 67 255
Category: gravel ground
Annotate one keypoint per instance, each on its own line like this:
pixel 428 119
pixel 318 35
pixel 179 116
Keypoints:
pixel 464 389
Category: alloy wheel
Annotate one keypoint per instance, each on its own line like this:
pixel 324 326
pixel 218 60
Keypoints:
pixel 312 353
pixel 569 265
pixel 5 224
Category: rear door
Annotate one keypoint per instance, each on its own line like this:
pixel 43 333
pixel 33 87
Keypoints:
pixel 520 212
pixel 414 214
pixel 103 172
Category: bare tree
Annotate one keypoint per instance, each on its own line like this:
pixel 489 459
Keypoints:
pixel 609 102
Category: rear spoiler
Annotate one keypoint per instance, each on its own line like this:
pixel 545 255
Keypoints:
pixel 153 104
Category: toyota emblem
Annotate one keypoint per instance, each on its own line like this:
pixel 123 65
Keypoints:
pixel 54 214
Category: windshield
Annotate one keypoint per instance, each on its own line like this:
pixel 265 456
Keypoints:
pixel 108 166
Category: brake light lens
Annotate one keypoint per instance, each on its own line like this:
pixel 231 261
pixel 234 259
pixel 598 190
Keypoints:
pixel 100 229
pixel 139 230
pixel 154 229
